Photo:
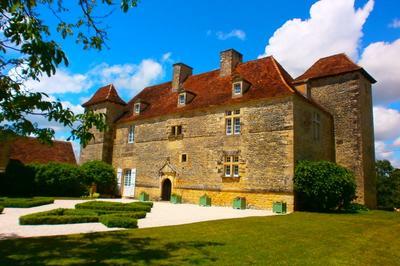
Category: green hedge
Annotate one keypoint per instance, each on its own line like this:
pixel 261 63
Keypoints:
pixel 25 202
pixel 323 186
pixel 115 220
pixel 1 209
pixel 114 206
pixel 59 216
pixel 102 174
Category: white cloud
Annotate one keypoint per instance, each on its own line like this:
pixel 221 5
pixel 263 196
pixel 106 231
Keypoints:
pixel 395 23
pixel 382 152
pixel 387 123
pixel 166 57
pixel 333 27
pixel 381 60
pixel 397 142
pixel 61 82
pixel 236 33
pixel 129 76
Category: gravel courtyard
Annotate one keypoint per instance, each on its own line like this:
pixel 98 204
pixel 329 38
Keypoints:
pixel 162 214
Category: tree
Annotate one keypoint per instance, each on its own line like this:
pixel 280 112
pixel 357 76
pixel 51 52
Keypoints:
pixel 28 51
pixel 388 185
pixel 323 186
pixel 102 174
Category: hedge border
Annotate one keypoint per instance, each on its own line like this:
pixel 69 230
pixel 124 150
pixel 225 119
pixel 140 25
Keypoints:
pixel 116 221
pixel 115 206
pixel 25 202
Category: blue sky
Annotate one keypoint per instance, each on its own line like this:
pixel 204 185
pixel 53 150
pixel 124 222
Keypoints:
pixel 146 41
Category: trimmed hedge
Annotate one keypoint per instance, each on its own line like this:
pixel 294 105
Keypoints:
pixel 115 220
pixel 25 202
pixel 114 206
pixel 59 216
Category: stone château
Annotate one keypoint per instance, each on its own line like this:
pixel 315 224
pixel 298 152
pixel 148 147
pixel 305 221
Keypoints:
pixel 238 130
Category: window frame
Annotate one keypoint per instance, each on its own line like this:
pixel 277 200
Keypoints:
pixel 231 166
pixel 127 177
pixel 234 86
pixel 316 126
pixel 183 97
pixel 232 122
pixel 184 155
pixel 131 134
pixel 137 108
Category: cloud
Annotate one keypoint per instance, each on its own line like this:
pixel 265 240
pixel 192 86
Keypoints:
pixel 380 59
pixel 387 123
pixel 166 57
pixel 62 82
pixel 382 152
pixel 129 76
pixel 236 33
pixel 397 142
pixel 333 27
pixel 395 23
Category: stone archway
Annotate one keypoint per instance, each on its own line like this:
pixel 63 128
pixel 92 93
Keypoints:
pixel 166 189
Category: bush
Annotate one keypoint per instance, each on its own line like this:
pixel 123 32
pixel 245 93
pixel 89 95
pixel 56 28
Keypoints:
pixel 25 202
pixel 58 179
pixel 114 206
pixel 1 209
pixel 59 216
pixel 18 180
pixel 115 220
pixel 102 174
pixel 388 185
pixel 323 186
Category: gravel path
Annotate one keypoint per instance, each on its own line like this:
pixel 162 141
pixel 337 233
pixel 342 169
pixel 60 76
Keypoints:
pixel 162 214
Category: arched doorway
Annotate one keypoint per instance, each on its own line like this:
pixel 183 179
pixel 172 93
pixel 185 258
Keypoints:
pixel 166 189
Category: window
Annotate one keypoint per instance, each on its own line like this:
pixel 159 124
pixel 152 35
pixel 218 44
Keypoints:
pixel 137 108
pixel 176 131
pixel 183 158
pixel 237 88
pixel 231 166
pixel 131 134
pixel 128 177
pixel 232 122
pixel 182 99
pixel 316 126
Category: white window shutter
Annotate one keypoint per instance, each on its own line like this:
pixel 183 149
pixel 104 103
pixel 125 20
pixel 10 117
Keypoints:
pixel 119 178
pixel 133 180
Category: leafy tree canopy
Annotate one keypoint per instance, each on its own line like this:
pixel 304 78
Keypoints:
pixel 28 51
pixel 388 185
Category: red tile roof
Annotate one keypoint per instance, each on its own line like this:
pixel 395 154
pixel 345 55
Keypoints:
pixel 105 94
pixel 331 66
pixel 30 150
pixel 267 78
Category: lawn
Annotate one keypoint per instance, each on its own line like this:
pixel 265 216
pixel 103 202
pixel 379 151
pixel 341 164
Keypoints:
pixel 371 238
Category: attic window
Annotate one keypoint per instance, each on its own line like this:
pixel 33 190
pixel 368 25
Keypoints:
pixel 182 99
pixel 237 88
pixel 137 108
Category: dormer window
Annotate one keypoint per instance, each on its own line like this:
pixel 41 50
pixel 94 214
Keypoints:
pixel 182 99
pixel 237 88
pixel 137 108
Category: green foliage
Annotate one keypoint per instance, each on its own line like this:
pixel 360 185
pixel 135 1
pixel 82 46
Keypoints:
pixel 388 185
pixel 58 179
pixel 59 216
pixel 114 206
pixel 355 208
pixel 323 186
pixel 114 220
pixel 1 209
pixel 29 51
pixel 102 174
pixel 18 180
pixel 25 202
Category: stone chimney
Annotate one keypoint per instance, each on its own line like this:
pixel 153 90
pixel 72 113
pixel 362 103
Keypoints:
pixel 180 73
pixel 228 61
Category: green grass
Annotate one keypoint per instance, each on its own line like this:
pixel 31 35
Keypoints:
pixel 370 238
pixel 25 202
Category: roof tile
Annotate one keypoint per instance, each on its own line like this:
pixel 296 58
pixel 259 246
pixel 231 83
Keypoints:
pixel 105 94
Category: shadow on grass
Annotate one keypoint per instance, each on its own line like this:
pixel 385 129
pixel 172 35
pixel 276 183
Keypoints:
pixel 104 249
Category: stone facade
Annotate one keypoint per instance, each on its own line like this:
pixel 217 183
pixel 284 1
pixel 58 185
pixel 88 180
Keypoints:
pixel 348 98
pixel 327 118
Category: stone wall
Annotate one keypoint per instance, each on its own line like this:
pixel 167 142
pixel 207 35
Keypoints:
pixel 348 98
pixel 264 147
pixel 100 148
